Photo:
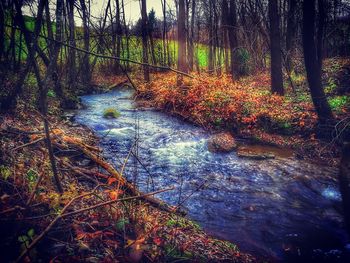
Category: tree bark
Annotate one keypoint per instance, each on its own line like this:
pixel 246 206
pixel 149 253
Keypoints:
pixel 313 70
pixel 275 49
pixel 344 182
pixel 181 37
pixel 71 63
pixel 85 73
pixel 2 30
pixel 144 40
pixel 290 34
pixel 232 24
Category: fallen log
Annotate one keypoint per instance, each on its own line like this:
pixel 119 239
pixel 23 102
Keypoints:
pixel 113 172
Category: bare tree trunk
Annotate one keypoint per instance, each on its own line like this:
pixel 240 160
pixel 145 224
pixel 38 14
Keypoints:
pixel 144 40
pixel 2 30
pixel 119 35
pixel 85 72
pixel 191 39
pixel 232 21
pixel 275 49
pixel 290 35
pixel 72 53
pixel 181 37
pixel 311 64
pixel 320 31
pixel 164 34
pixel 211 40
pixel 127 37
pixel 224 25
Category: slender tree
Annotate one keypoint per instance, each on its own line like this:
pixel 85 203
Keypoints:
pixel 275 49
pixel 144 40
pixel 191 39
pixel 85 72
pixel 290 34
pixel 71 68
pixel 181 37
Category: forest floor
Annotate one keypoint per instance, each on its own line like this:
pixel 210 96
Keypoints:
pixel 122 231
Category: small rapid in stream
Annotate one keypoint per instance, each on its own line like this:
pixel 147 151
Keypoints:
pixel 283 209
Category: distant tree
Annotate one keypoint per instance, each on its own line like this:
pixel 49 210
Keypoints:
pixel 290 34
pixel 71 69
pixel 232 22
pixel 181 37
pixel 85 71
pixel 152 22
pixel 144 40
pixel 191 38
pixel 275 49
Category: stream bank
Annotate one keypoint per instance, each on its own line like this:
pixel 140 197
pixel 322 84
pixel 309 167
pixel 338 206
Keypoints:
pixel 124 231
pixel 284 208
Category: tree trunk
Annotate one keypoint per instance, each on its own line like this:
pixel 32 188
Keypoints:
pixel 232 22
pixel 127 36
pixel 71 64
pixel 313 70
pixel 320 31
pixel 119 35
pixel 275 49
pixel 344 183
pixel 85 72
pixel 181 37
pixel 191 40
pixel 211 40
pixel 290 35
pixel 2 30
pixel 164 34
pixel 144 41
pixel 225 34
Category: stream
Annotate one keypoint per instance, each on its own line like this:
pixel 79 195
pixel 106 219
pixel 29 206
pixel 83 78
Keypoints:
pixel 281 209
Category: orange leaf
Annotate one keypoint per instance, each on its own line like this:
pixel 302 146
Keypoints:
pixel 111 180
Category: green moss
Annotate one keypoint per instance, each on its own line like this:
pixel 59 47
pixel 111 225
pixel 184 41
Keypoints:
pixel 111 113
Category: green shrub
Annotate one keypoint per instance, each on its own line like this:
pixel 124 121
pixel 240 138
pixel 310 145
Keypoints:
pixel 337 103
pixel 111 113
pixel 51 94
pixel 243 57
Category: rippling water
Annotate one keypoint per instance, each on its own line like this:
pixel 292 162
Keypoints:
pixel 284 208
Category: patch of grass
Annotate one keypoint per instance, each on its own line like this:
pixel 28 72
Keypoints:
pixel 331 86
pixel 111 113
pixel 337 103
pixel 51 94
pixel 5 172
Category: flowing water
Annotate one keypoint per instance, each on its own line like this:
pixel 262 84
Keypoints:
pixel 283 209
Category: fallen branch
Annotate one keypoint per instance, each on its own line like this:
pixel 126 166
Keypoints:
pixel 63 214
pixel 28 144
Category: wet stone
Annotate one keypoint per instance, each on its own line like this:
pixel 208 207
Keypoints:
pixel 222 142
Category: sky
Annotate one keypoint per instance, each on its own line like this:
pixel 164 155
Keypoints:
pixel 132 8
